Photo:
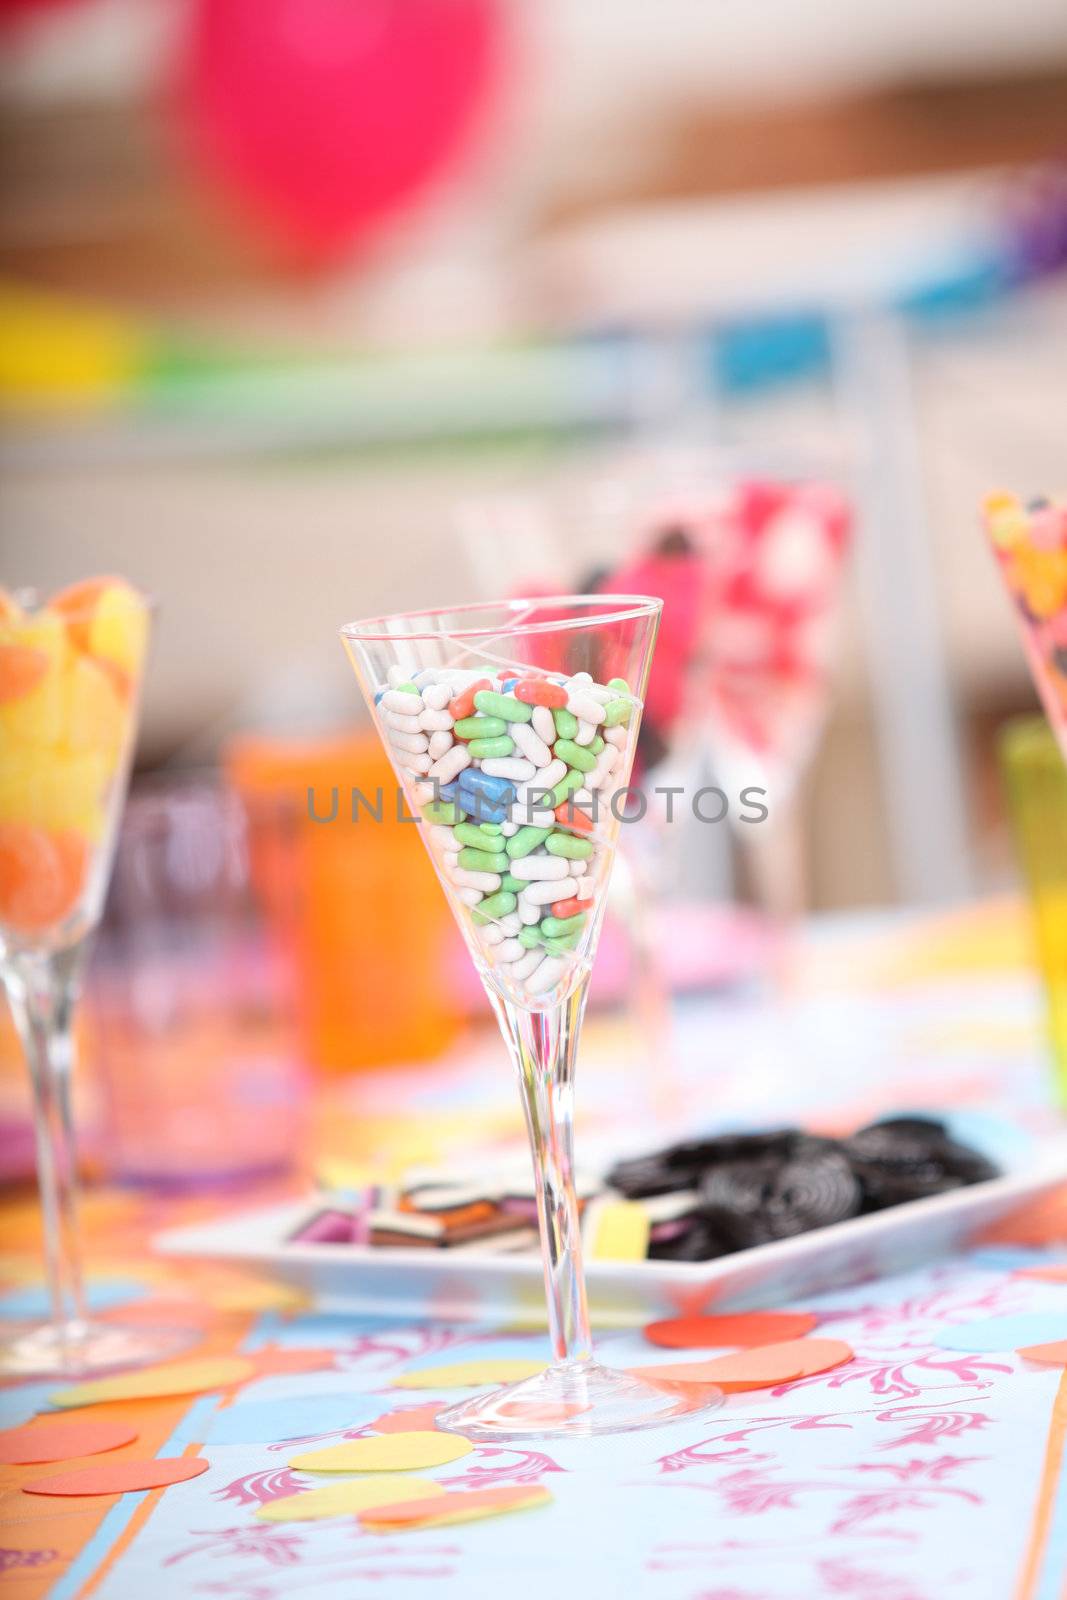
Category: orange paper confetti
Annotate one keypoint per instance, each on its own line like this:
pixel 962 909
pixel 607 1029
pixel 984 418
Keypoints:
pixel 1048 1355
pixel 746 1328
pixel 762 1368
pixel 61 1441
pixel 119 1477
pixel 453 1507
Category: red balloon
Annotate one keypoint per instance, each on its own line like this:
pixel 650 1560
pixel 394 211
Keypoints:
pixel 322 118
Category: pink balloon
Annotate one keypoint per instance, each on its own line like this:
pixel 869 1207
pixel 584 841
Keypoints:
pixel 322 118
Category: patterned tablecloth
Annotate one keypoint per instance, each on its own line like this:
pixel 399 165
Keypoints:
pixel 916 1472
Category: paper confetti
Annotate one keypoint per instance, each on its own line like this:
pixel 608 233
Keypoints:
pixel 1050 1274
pixel 1004 1333
pixel 120 1477
pixel 471 1374
pixel 388 1452
pixel 153 1383
pixel 746 1328
pixel 765 1367
pixel 618 1230
pixel 456 1506
pixel 415 1419
pixel 343 1498
pixel 45 1441
pixel 1048 1355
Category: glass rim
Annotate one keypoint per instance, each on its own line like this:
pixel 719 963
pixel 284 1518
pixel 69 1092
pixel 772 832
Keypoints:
pixel 32 602
pixel 615 608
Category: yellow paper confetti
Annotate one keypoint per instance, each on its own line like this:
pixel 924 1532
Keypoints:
pixel 470 1374
pixel 455 1507
pixel 392 1452
pixel 619 1231
pixel 343 1498
pixel 154 1383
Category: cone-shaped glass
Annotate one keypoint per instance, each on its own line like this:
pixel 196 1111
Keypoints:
pixel 512 727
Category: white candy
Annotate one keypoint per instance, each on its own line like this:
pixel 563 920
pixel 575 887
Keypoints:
pixel 529 912
pixel 409 762
pixel 600 692
pixel 554 773
pixel 510 950
pixel 525 816
pixel 470 897
pixel 450 861
pixel 492 933
pixel 508 830
pixel 417 743
pixel 451 764
pixel 510 924
pixel 439 744
pixel 582 797
pixel 531 744
pixel 584 707
pixel 586 733
pixel 403 703
pixel 393 719
pixel 586 888
pixel 436 696
pixel 435 721
pixel 616 736
pixel 579 681
pixel 546 976
pixel 509 767
pixel 529 963
pixel 542 724
pixel 441 836
pixel 424 793
pixel 538 868
pixel 487 882
pixel 397 675
pixel 543 894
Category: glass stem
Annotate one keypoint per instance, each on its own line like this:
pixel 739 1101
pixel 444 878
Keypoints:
pixel 543 1046
pixel 42 990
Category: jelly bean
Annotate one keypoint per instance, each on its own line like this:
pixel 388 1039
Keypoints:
pixel 539 692
pixel 620 685
pixel 499 790
pixel 380 696
pixel 479 727
pixel 509 949
pixel 510 924
pixel 566 724
pixel 436 696
pixel 431 721
pixel 441 811
pixel 470 833
pixel 440 743
pixel 512 767
pixel 492 828
pixel 574 755
pixel 443 838
pixel 502 705
pixel 467 878
pixel 557 928
pixel 586 733
pixel 585 707
pixel 410 762
pixel 497 905
pixel 526 814
pixel 415 742
pixel 509 881
pixel 526 840
pixel 546 975
pixel 616 736
pixel 490 749
pixel 528 965
pixel 566 786
pixel 566 847
pixel 508 684
pixel 463 703
pixel 586 888
pixel 617 713
pixel 530 744
pixel 481 861
pixel 451 764
pixel 407 702
pixel 493 934
pixel 535 868
pixel 559 947
pixel 470 897
pixel 530 937
pixel 543 894
pixel 529 912
pixel 543 724
pixel 561 909
pixel 573 816
pixel 596 744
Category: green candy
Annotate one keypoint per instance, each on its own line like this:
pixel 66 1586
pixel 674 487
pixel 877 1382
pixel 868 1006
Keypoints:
pixel 575 755
pixel 408 688
pixel 516 885
pixel 618 683
pixel 562 947
pixel 489 827
pixel 469 833
pixel 526 840
pixel 566 723
pixel 567 844
pixel 562 927
pixel 502 705
pixel 618 712
pixel 490 749
pixel 481 861
pixel 493 907
pixel 442 811
pixel 480 727
pixel 566 786
pixel 529 938
pixel 596 744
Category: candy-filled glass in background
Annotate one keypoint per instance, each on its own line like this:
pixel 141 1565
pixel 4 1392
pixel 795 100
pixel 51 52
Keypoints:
pixel 512 728
pixel 70 678
pixel 1036 780
pixel 1030 545
pixel 193 989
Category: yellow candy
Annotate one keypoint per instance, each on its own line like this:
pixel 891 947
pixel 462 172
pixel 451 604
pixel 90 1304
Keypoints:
pixel 54 789
pixel 96 717
pixel 38 718
pixel 118 631
pixel 1040 578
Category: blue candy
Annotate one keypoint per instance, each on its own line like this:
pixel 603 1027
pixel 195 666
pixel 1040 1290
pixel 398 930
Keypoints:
pixel 498 790
pixel 378 696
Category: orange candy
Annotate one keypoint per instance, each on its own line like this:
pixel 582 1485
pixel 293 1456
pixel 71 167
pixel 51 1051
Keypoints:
pixel 568 908
pixel 41 875
pixel 539 692
pixel 21 669
pixel 463 705
pixel 76 604
pixel 570 816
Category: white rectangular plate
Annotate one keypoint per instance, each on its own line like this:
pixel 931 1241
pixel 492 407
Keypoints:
pixel 440 1283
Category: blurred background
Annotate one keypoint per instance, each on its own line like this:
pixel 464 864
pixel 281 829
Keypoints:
pixel 312 310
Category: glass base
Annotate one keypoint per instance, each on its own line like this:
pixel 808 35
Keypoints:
pixel 575 1401
pixel 82 1348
